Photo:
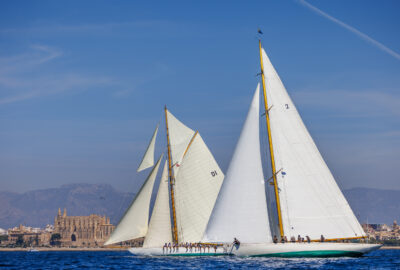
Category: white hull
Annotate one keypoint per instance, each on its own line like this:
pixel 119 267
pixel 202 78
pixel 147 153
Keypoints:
pixel 271 250
pixel 304 250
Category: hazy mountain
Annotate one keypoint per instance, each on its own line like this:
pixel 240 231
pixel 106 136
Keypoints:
pixel 374 205
pixel 38 208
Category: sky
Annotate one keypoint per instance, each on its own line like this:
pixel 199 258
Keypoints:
pixel 83 83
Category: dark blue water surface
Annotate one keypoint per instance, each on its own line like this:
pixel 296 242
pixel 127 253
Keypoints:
pixel 380 259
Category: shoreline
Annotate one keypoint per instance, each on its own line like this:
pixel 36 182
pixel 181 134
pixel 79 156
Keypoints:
pixel 109 249
pixel 65 249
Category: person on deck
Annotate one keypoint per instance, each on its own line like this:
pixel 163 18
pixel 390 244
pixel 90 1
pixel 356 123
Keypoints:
pixel 165 248
pixel 322 238
pixel 293 239
pixel 169 247
pixel 275 239
pixel 236 242
pixel 299 238
pixel 308 239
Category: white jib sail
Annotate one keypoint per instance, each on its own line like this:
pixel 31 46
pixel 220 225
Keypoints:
pixel 196 189
pixel 148 158
pixel 179 138
pixel 160 222
pixel 241 208
pixel 311 201
pixel 135 221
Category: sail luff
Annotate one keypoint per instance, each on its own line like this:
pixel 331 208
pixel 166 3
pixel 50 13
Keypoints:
pixel 134 222
pixel 271 148
pixel 148 157
pixel 171 181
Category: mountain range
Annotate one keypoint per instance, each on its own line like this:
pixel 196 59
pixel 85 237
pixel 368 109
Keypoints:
pixel 39 207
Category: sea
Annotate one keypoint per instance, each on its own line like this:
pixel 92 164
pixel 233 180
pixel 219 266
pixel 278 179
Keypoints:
pixel 380 259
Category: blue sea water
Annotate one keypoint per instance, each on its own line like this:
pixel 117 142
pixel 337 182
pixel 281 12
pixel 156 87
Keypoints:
pixel 380 259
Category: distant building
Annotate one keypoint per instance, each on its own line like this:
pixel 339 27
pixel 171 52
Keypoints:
pixel 89 231
pixel 382 231
pixel 28 236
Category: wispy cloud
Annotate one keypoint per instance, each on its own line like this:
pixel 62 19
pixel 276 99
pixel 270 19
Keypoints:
pixel 355 31
pixel 22 76
pixel 98 28
pixel 36 55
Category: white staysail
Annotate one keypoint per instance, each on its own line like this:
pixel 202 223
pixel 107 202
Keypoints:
pixel 196 189
pixel 160 222
pixel 311 201
pixel 148 158
pixel 135 221
pixel 241 208
pixel 179 137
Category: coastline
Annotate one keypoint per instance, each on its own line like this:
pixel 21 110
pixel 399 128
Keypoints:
pixel 65 249
pixel 109 249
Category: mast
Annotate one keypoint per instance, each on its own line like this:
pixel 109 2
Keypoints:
pixel 171 181
pixel 271 149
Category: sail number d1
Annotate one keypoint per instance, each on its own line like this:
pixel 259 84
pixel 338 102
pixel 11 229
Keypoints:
pixel 214 173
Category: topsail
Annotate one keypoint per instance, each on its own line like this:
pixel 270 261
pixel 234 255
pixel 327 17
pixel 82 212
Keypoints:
pixel 148 158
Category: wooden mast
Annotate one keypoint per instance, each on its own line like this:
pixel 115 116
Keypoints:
pixel 271 149
pixel 171 181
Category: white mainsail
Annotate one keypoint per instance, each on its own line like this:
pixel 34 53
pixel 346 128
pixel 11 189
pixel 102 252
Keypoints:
pixel 148 158
pixel 196 189
pixel 241 209
pixel 134 223
pixel 179 137
pixel 160 222
pixel 311 201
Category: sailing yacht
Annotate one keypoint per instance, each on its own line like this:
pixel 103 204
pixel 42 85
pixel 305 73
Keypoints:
pixel 189 186
pixel 306 202
pixel 246 213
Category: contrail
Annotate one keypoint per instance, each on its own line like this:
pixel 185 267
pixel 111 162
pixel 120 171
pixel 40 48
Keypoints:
pixel 351 29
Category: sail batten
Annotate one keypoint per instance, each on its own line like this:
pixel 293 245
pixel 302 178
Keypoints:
pixel 148 157
pixel 134 223
pixel 311 201
pixel 241 209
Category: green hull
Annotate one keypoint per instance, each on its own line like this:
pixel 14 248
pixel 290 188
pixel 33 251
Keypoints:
pixel 295 254
pixel 311 254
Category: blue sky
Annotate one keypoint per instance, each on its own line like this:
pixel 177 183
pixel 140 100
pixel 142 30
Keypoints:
pixel 83 83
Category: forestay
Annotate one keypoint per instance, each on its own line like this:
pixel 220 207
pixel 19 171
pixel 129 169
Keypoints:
pixel 148 158
pixel 312 203
pixel 241 208
pixel 196 189
pixel 134 223
pixel 160 222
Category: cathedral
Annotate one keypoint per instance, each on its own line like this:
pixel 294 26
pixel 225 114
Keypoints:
pixel 79 231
